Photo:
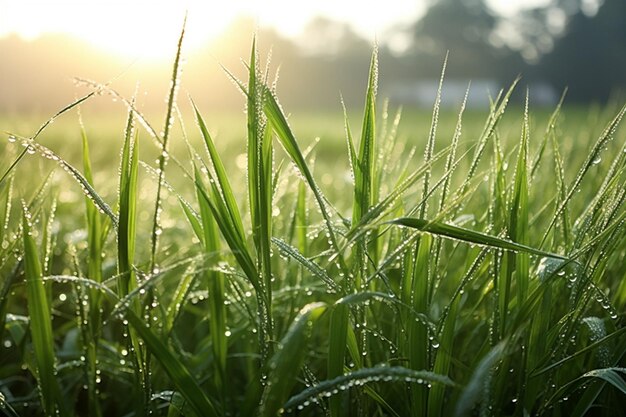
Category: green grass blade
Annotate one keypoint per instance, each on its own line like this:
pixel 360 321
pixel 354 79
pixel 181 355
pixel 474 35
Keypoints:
pixel 94 221
pixel 386 203
pixel 470 236
pixel 91 324
pixel 363 376
pixel 176 370
pixel 478 382
pixel 169 121
pixel 338 337
pixel 450 165
pixel 301 219
pixel 354 159
pixel 42 128
pixel 418 349
pixel 40 324
pixel 287 360
pixel 287 139
pixel 365 168
pixel 216 286
pixel 228 227
pixel 432 134
pixel 177 302
pixel 549 133
pixel 592 158
pixel 590 347
pixel 443 359
pixel 518 215
pixel 127 202
pixel 221 176
pixel 607 375
pixel 311 266
pixel 493 120
pixel 86 187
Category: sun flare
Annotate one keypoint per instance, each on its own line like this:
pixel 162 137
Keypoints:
pixel 154 34
pixel 134 29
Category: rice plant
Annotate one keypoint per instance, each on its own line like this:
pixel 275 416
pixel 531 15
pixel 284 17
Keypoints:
pixel 485 278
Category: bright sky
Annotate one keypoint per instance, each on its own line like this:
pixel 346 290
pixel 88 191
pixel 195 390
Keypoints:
pixel 142 28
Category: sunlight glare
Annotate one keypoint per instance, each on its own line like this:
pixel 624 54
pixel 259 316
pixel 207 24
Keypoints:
pixel 150 30
pixel 134 29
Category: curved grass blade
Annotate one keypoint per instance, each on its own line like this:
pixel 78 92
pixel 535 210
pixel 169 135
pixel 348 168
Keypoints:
pixel 287 139
pixel 607 375
pixel 175 369
pixel 474 388
pixel 590 347
pixel 286 362
pixel 470 236
pixel 311 266
pixel 363 376
pixel 88 190
pixel 42 128
pixel 209 235
pixel 220 173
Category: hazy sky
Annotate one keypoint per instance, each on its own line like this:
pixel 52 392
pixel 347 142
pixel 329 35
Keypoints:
pixel 139 25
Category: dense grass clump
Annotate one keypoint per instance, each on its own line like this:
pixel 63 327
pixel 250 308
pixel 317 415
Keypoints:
pixel 486 278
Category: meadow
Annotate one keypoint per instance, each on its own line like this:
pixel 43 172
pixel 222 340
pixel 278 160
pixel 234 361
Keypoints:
pixel 375 262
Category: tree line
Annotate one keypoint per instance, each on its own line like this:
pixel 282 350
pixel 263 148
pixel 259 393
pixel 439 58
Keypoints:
pixel 574 44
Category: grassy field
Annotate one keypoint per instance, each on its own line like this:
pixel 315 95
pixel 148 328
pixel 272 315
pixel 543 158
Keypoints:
pixel 433 264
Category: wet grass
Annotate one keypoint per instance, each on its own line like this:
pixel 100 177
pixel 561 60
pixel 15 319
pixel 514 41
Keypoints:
pixel 184 273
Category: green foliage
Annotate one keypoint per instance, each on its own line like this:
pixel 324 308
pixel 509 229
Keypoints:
pixel 448 285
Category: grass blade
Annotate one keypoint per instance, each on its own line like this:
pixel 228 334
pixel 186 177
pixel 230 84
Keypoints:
pixel 40 324
pixel 364 376
pixel 470 236
pixel 288 359
pixel 178 373
pixel 169 121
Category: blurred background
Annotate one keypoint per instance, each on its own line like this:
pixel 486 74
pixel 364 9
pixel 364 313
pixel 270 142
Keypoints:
pixel 320 49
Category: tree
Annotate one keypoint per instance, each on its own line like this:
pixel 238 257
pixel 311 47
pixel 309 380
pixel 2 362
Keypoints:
pixel 466 28
pixel 590 58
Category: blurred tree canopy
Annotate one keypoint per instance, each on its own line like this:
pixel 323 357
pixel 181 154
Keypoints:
pixel 590 58
pixel 465 28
